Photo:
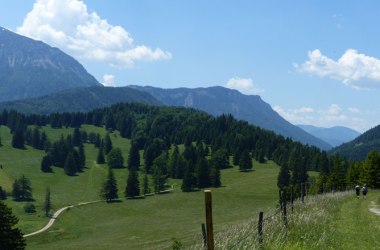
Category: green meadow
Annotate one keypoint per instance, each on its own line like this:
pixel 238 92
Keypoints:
pixel 149 223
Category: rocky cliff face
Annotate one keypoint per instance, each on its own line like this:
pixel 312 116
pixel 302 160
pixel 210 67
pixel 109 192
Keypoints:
pixel 30 68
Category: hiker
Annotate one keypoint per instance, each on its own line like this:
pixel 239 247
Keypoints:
pixel 365 191
pixel 357 189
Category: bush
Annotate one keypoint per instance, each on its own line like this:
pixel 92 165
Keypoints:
pixel 29 208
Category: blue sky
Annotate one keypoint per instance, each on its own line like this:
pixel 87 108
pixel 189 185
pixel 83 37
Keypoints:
pixel 315 62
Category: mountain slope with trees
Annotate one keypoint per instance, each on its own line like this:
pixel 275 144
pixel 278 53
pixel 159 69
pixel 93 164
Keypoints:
pixel 334 136
pixel 30 68
pixel 220 100
pixel 360 147
pixel 79 100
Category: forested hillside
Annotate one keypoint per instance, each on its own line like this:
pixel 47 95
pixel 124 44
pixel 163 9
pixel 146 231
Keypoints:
pixel 219 100
pixel 155 129
pixel 359 148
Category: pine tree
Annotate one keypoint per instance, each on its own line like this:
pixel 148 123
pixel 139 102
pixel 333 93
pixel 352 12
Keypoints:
pixel 100 158
pixel 133 187
pixel 245 162
pixel 10 237
pixel 70 167
pixel 47 204
pixel 109 189
pixel 133 157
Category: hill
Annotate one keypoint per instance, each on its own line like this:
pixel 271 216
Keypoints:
pixel 219 100
pixel 334 136
pixel 361 146
pixel 79 100
pixel 30 68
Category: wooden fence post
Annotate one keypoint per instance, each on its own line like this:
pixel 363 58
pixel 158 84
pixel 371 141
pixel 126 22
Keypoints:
pixel 204 235
pixel 210 233
pixel 260 227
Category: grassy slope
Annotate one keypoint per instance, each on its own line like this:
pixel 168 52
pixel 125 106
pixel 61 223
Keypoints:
pixel 357 227
pixel 331 221
pixel 133 224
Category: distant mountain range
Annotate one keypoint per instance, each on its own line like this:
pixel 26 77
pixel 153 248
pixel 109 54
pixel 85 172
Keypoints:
pixel 79 100
pixel 30 68
pixel 334 136
pixel 220 100
pixel 361 146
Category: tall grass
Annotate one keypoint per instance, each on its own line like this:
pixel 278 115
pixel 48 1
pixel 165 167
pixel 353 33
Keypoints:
pixel 308 227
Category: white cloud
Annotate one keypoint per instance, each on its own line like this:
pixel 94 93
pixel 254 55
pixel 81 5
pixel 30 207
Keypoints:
pixel 244 85
pixel 354 110
pixel 352 68
pixel 67 24
pixel 333 115
pixel 108 80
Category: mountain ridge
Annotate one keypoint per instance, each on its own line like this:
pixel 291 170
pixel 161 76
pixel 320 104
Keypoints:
pixel 31 68
pixel 334 136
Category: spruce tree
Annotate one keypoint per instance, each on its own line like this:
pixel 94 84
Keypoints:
pixel 109 189
pixel 100 158
pixel 18 139
pixel 77 137
pixel 107 144
pixel 188 178
pixel 245 162
pixel 283 179
pixel 215 177
pixel 203 173
pixel 47 204
pixel 146 188
pixel 133 187
pixel 133 157
pixel 70 167
pixel 22 189
pixel 115 158
pixel 46 164
pixel 10 237
pixel 82 157
pixel 173 162
pixel 3 194
pixel 36 138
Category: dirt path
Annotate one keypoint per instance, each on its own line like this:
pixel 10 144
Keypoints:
pixel 61 210
pixel 55 216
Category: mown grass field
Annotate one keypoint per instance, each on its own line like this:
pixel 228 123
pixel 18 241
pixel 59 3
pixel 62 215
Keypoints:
pixel 148 223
